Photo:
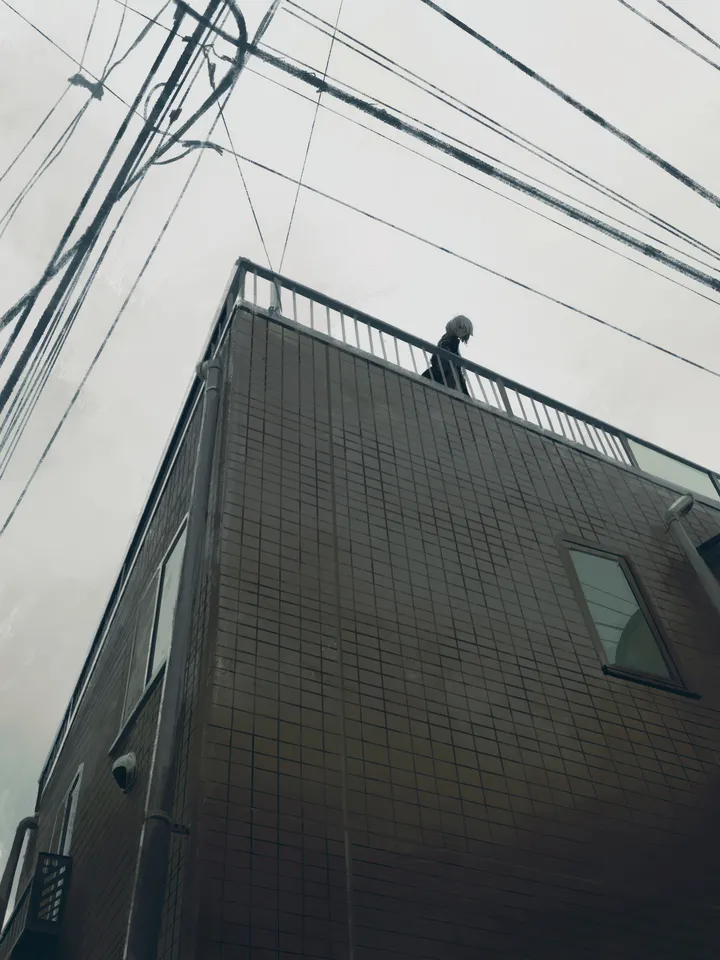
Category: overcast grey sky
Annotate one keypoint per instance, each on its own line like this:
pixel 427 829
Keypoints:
pixel 60 555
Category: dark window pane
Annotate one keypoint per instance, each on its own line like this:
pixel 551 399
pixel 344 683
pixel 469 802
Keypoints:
pixel 625 634
pixel 166 607
pixel 144 623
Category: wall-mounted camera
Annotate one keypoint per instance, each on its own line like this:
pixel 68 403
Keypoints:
pixel 124 772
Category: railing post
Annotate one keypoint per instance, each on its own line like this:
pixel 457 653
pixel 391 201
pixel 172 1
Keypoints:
pixel 504 397
pixel 628 450
pixel 275 298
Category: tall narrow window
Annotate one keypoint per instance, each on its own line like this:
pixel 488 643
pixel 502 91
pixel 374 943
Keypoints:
pixel 144 628
pixel 154 624
pixel 166 607
pixel 629 640
pixel 68 817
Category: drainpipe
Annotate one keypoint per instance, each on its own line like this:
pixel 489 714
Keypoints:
pixel 6 884
pixel 680 508
pixel 148 895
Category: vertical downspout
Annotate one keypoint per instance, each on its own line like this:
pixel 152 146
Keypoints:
pixel 705 575
pixel 8 877
pixel 148 894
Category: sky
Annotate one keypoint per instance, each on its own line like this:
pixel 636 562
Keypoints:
pixel 60 555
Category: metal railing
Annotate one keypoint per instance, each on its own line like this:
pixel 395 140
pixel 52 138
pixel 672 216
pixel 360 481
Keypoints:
pixel 281 297
pixel 39 909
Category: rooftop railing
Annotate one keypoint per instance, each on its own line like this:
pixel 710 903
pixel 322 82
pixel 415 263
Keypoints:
pixel 276 295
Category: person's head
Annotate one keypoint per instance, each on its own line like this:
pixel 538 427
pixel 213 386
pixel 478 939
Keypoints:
pixel 460 327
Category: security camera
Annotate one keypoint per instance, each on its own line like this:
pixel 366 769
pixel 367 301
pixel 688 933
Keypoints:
pixel 681 507
pixel 124 771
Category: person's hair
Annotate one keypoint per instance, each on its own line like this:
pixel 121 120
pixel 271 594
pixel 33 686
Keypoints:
pixel 460 327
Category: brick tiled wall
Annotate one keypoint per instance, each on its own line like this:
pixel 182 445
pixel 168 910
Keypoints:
pixel 412 747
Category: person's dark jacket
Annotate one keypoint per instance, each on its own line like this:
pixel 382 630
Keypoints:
pixel 443 370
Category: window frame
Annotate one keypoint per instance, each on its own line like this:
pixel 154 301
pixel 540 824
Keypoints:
pixel 128 706
pixel 158 576
pixel 674 683
pixel 162 571
pixel 67 815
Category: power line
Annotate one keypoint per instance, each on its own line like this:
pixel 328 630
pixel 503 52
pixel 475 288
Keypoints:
pixel 63 51
pixel 616 234
pixel 34 134
pixel 89 33
pixel 484 186
pixel 312 131
pixel 221 113
pixel 92 232
pixel 57 263
pixel 667 33
pixel 496 127
pixel 689 23
pixel 50 157
pixel 489 169
pixel 60 260
pixel 481 266
pixel 25 401
pixel 26 397
pixel 28 392
pixel 586 111
pixel 443 96
pixel 105 341
pixel 116 41
pixel 58 147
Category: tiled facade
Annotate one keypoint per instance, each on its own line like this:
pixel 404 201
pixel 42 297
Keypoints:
pixel 399 739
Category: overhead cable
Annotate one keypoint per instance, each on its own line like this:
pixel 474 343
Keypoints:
pixel 106 339
pixel 58 47
pixel 689 23
pixel 481 266
pixel 507 166
pixel 497 128
pixel 51 317
pixel 96 90
pixel 25 401
pixel 310 136
pixel 26 397
pixel 668 33
pixel 90 234
pixel 465 109
pixel 484 186
pixel 489 169
pixel 34 134
pixel 258 36
pixel 665 165
pixel 118 34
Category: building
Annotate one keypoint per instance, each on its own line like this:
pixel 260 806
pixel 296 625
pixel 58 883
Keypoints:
pixel 452 687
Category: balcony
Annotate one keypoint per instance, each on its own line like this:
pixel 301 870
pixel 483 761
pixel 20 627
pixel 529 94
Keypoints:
pixel 31 930
pixel 261 290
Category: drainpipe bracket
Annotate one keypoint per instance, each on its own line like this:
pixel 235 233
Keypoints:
pixel 175 827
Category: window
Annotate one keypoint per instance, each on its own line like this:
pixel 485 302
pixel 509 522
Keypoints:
pixel 674 471
pixel 154 623
pixel 68 813
pixel 624 631
pixel 166 607
pixel 144 628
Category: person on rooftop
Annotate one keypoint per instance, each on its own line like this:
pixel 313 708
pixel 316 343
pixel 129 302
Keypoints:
pixel 442 369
